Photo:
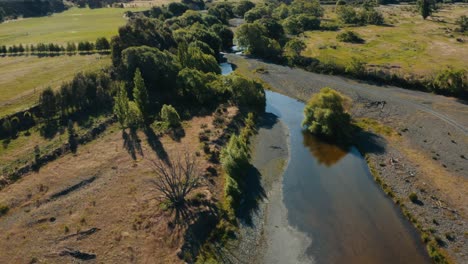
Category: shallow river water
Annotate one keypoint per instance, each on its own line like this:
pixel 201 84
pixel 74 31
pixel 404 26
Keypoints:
pixel 331 197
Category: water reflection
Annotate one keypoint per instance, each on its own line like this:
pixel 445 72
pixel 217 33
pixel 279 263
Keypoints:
pixel 326 154
pixel 331 197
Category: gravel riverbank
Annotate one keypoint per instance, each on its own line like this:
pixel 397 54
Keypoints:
pixel 426 153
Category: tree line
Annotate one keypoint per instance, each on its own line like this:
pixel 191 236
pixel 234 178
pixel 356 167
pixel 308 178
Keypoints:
pixel 101 44
pixel 172 62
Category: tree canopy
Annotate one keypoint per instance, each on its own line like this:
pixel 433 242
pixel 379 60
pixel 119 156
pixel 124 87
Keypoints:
pixel 325 115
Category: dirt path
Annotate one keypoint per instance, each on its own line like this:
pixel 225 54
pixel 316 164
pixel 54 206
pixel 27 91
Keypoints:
pixel 427 155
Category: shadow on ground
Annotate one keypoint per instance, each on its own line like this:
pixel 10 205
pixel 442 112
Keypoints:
pixel 132 143
pixel 155 144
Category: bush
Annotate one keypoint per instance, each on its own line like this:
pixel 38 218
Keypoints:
pixel 451 81
pixel 4 209
pixel 413 197
pixel 170 116
pixel 242 7
pixel 462 22
pixel 324 115
pixel 349 15
pixel 134 116
pixel 356 67
pixel 349 36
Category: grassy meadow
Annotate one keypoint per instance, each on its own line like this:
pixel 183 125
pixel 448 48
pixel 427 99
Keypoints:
pixel 22 78
pixel 73 25
pixel 407 44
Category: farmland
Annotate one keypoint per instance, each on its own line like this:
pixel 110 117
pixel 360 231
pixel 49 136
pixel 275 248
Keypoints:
pixel 406 45
pixel 73 25
pixel 23 78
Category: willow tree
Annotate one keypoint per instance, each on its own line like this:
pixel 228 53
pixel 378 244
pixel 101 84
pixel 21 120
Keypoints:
pixel 325 115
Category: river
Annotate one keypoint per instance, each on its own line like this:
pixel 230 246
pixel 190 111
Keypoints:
pixel 334 211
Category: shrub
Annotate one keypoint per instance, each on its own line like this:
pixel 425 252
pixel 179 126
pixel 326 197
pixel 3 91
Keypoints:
pixel 462 22
pixel 170 116
pixel 4 209
pixel 356 67
pixel 349 36
pixel 134 116
pixel 413 197
pixel 242 7
pixel 325 115
pixel 451 81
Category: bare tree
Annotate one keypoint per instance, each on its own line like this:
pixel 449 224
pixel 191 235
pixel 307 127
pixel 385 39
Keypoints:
pixel 177 178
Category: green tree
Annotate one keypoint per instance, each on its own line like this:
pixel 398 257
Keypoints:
pixel 170 116
pixel 72 142
pixel 325 115
pixel 293 48
pixel 134 117
pixel 48 103
pixel 2 15
pixel 242 7
pixel 253 37
pixel 140 95
pixel 121 106
pixel 426 7
pixel 451 81
pixel 102 44
pixel 462 22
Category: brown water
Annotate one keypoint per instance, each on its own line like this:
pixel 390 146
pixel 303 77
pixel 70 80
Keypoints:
pixel 331 197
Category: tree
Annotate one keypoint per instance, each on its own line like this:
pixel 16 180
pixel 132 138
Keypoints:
pixel 242 7
pixel 426 7
pixel 134 116
pixel 293 48
pixel 121 106
pixel 72 142
pixel 324 115
pixel 140 95
pixel 176 178
pixel 253 37
pixel 102 44
pixel 48 103
pixel 177 8
pixel 2 15
pixel 451 81
pixel 170 116
pixel 462 22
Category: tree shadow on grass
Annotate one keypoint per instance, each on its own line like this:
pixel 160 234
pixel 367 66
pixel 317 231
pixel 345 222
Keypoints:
pixel 155 144
pixel 49 129
pixel 132 143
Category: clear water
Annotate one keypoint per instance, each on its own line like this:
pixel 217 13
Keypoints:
pixel 332 198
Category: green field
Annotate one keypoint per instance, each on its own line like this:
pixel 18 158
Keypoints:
pixel 73 25
pixel 408 45
pixel 22 78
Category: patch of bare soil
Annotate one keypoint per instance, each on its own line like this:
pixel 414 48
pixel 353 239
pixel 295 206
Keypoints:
pixel 100 206
pixel 426 153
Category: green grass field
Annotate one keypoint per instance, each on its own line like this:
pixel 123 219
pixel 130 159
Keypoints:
pixel 73 25
pixel 408 45
pixel 22 78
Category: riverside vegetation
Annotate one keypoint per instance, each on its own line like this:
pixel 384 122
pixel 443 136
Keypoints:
pixel 164 71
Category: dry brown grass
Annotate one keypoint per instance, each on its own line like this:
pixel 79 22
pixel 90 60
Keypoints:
pixel 120 202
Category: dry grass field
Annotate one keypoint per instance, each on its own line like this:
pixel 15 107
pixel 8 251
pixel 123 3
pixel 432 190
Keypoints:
pixel 22 78
pixel 407 45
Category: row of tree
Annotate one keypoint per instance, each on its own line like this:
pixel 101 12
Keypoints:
pixel 101 44
pixel 30 8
